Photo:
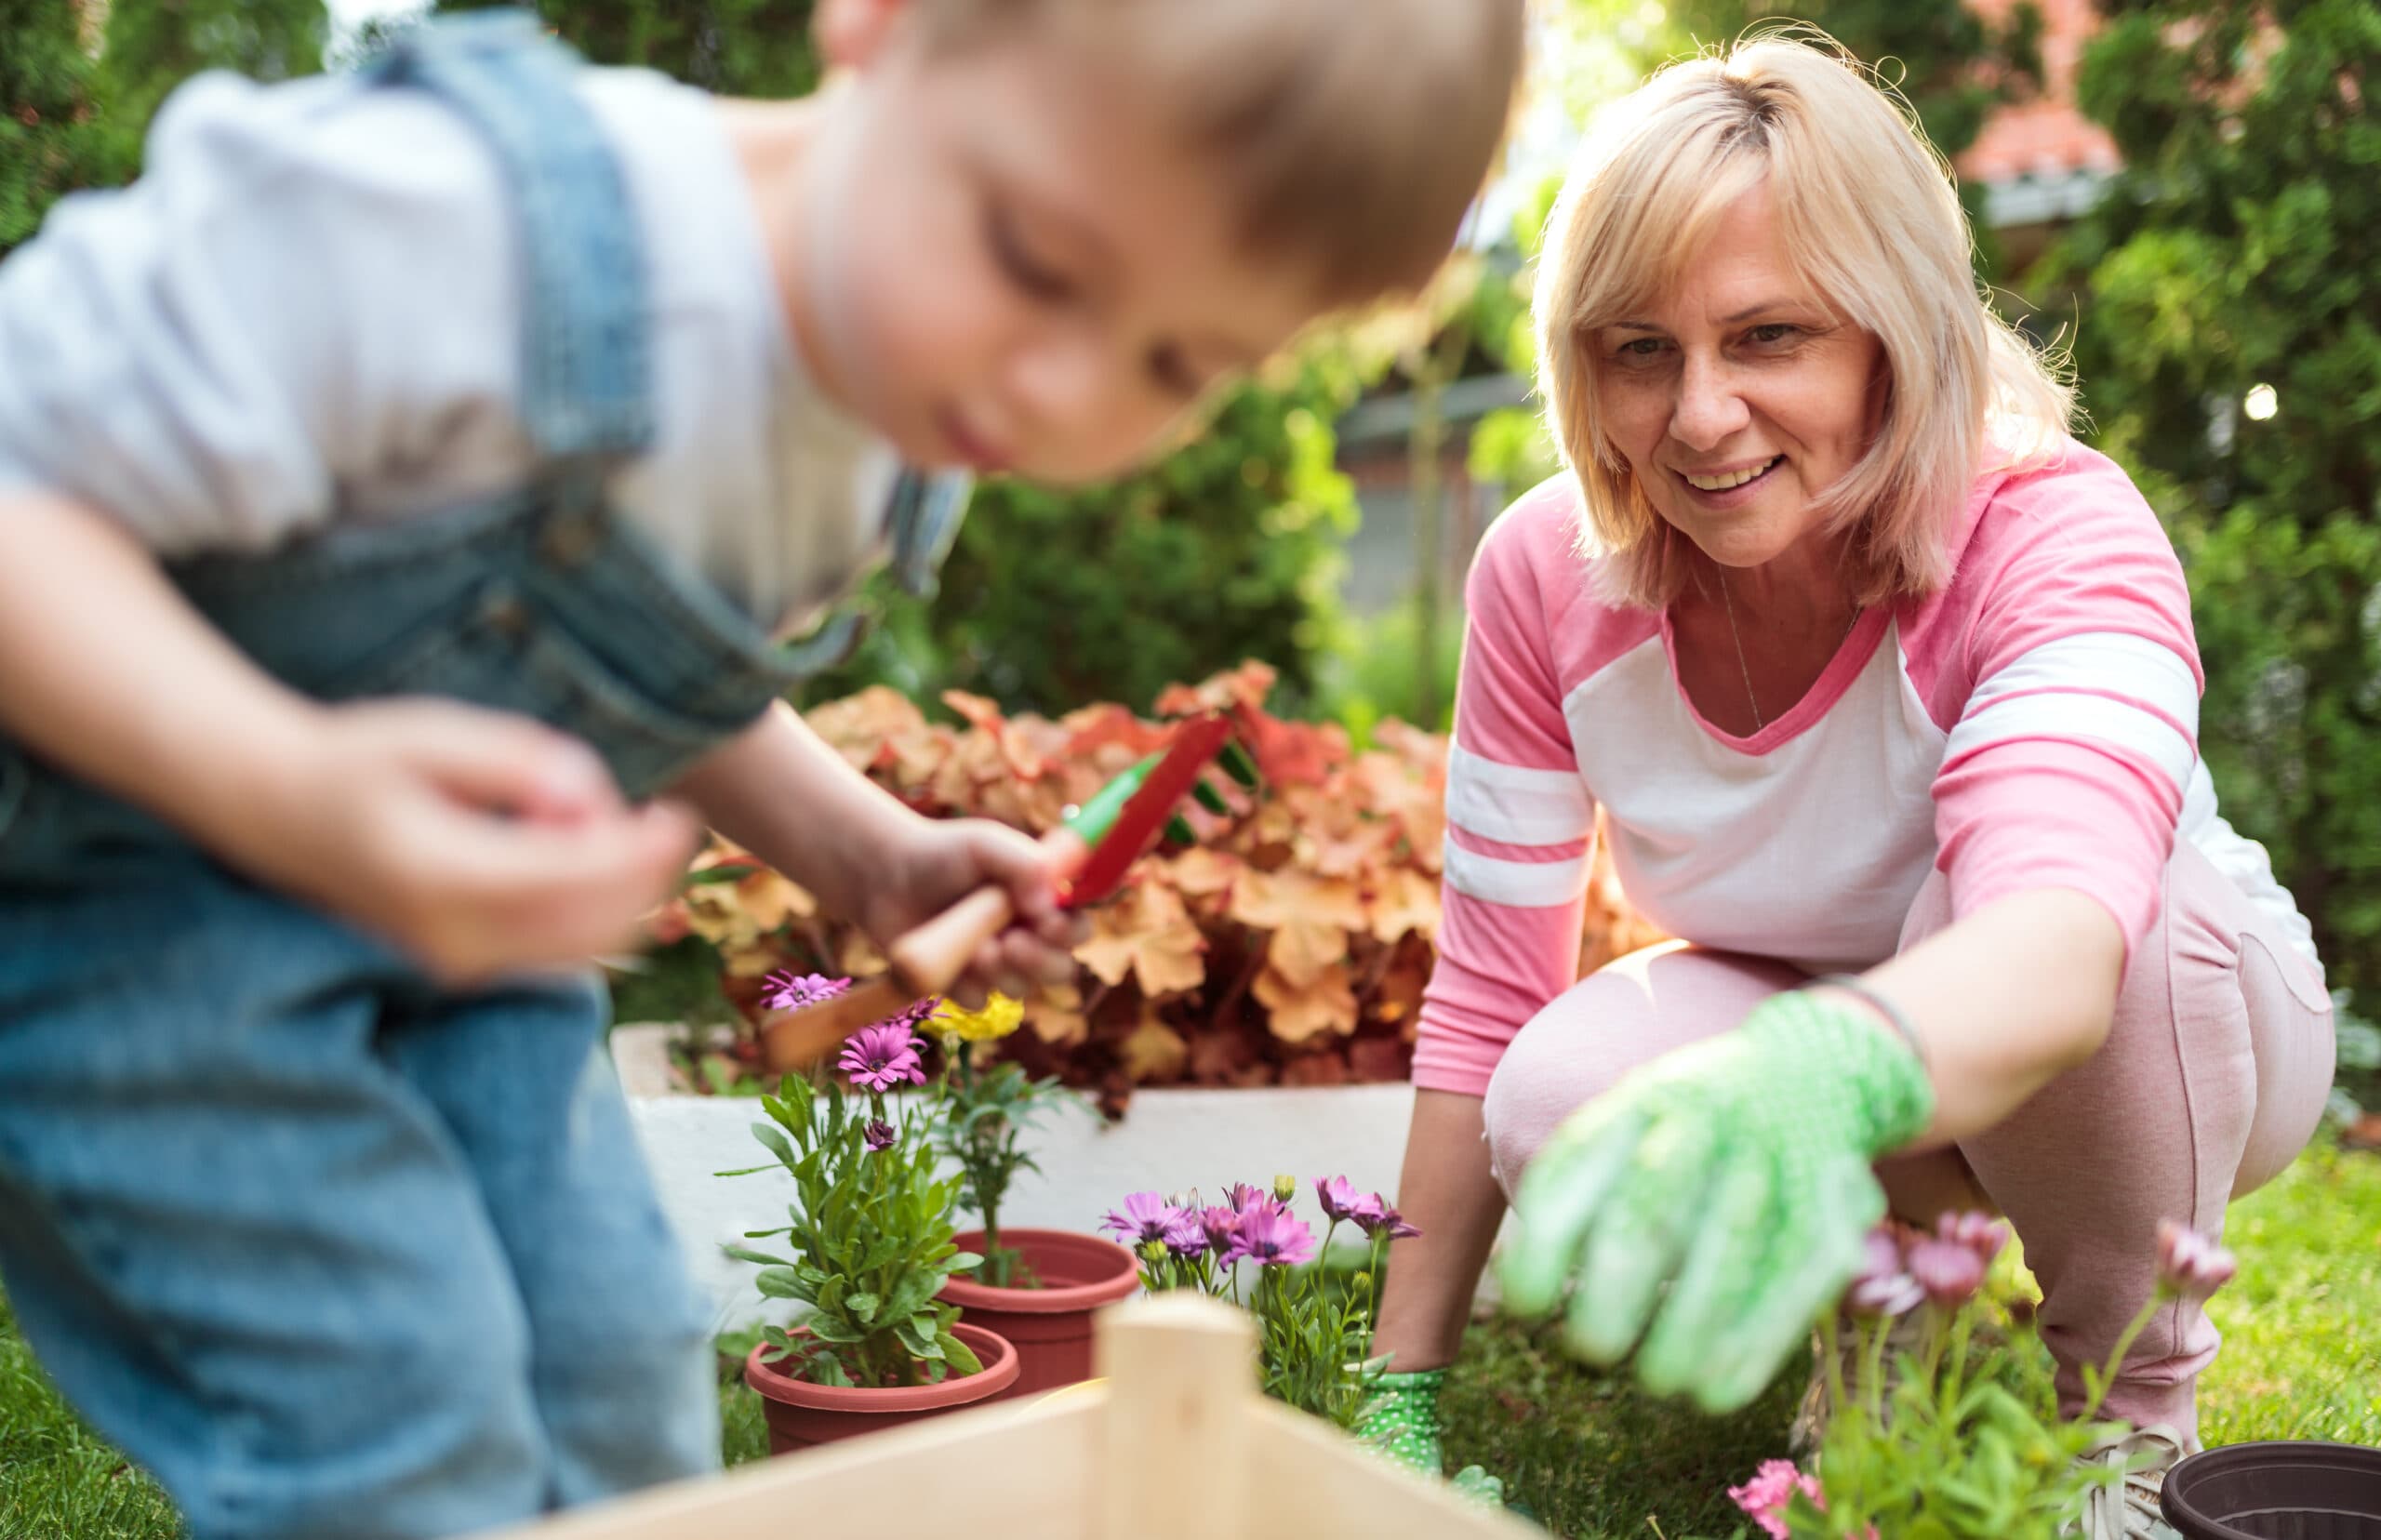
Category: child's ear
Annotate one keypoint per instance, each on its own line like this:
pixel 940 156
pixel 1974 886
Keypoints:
pixel 853 33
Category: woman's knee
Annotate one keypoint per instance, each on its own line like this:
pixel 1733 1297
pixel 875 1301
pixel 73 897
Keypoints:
pixel 1628 1013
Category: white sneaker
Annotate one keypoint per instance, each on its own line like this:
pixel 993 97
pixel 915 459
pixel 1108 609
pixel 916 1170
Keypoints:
pixel 2128 1509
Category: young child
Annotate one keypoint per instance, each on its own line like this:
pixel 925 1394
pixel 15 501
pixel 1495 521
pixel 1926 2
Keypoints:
pixel 402 488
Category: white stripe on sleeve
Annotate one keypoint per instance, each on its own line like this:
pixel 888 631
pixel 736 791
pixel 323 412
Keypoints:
pixel 1522 885
pixel 2082 719
pixel 2116 662
pixel 1514 805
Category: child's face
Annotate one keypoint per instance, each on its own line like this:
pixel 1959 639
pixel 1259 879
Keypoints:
pixel 1009 265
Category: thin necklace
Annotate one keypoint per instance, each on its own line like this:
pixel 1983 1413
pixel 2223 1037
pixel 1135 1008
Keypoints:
pixel 1759 722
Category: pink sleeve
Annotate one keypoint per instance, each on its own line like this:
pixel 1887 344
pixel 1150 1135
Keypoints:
pixel 2070 753
pixel 1518 820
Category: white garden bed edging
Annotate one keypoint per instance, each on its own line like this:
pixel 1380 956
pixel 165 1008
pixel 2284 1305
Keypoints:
pixel 1168 1140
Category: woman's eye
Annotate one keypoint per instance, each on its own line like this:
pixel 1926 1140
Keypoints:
pixel 1027 272
pixel 1775 331
pixel 1641 347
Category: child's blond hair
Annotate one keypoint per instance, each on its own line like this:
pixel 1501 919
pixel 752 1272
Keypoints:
pixel 1867 209
pixel 1355 132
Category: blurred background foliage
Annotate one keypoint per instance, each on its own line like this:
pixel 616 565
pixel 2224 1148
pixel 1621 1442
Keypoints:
pixel 2219 289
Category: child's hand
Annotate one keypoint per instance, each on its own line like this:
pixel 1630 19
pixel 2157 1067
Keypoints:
pixel 477 841
pixel 934 863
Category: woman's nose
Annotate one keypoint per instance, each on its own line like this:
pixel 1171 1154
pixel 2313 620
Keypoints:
pixel 1708 407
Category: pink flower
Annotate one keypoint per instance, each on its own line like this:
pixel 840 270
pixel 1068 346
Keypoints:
pixel 1246 1199
pixel 1948 1270
pixel 1271 1238
pixel 786 992
pixel 1980 1233
pixel 1375 1218
pixel 1339 1197
pixel 879 1057
pixel 1219 1223
pixel 1765 1498
pixel 1185 1236
pixel 879 1135
pixel 2190 1265
pixel 1883 1286
pixel 1146 1217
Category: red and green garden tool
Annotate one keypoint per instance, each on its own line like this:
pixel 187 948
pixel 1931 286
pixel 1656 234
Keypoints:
pixel 1093 847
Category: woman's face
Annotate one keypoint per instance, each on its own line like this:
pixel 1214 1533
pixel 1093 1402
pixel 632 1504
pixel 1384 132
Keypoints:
pixel 1738 396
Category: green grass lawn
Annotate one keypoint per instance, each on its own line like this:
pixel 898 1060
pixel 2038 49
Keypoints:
pixel 1593 1458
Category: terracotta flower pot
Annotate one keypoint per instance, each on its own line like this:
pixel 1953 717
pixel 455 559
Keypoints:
pixel 801 1414
pixel 1050 1325
pixel 2277 1491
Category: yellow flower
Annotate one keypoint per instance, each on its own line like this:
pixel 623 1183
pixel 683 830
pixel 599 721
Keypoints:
pixel 1000 1016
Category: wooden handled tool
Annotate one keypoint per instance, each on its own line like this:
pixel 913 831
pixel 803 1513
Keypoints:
pixel 925 962
pixel 1091 850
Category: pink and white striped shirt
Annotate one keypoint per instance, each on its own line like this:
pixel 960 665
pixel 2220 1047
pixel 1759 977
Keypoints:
pixel 2034 724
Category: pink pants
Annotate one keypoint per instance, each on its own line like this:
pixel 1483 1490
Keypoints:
pixel 2212 1078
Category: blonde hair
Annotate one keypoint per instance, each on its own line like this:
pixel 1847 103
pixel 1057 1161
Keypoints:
pixel 1867 211
pixel 1355 132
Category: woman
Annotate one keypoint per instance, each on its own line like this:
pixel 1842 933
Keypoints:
pixel 1874 673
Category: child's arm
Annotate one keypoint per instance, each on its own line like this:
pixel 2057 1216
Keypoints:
pixel 781 793
pixel 477 841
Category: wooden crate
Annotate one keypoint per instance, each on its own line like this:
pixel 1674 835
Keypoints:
pixel 1177 1445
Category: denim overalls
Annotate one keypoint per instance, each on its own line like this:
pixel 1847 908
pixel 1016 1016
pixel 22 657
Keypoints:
pixel 329 1249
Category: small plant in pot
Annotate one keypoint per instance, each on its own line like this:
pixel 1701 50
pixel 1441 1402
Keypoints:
pixel 872 1242
pixel 1037 1287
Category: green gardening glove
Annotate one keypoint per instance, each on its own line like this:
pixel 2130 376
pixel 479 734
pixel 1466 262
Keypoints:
pixel 1733 1171
pixel 1401 1419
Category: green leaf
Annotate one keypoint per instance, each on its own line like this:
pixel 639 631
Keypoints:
pixel 918 1333
pixel 743 1254
pixel 960 1358
pixel 862 1306
pixel 784 1283
pixel 963 1262
pixel 916 1287
pixel 775 1142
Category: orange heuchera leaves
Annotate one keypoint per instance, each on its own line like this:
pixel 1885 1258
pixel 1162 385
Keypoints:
pixel 1290 945
pixel 1327 1004
pixel 1148 933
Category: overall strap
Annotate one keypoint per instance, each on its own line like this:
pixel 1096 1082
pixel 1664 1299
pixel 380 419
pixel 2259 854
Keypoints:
pixel 587 367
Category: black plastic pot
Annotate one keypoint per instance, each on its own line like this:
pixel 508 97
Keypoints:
pixel 2276 1492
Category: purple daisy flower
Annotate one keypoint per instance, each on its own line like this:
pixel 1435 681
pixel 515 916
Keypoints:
pixel 1219 1223
pixel 787 991
pixel 1271 1238
pixel 1250 1200
pixel 880 1057
pixel 1375 1218
pixel 914 1016
pixel 1339 1197
pixel 879 1133
pixel 1185 1236
pixel 1146 1217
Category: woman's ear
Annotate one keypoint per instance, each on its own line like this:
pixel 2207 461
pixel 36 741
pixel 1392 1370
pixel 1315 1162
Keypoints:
pixel 852 34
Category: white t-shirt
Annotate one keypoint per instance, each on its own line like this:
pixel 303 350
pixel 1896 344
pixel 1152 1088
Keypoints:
pixel 309 309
